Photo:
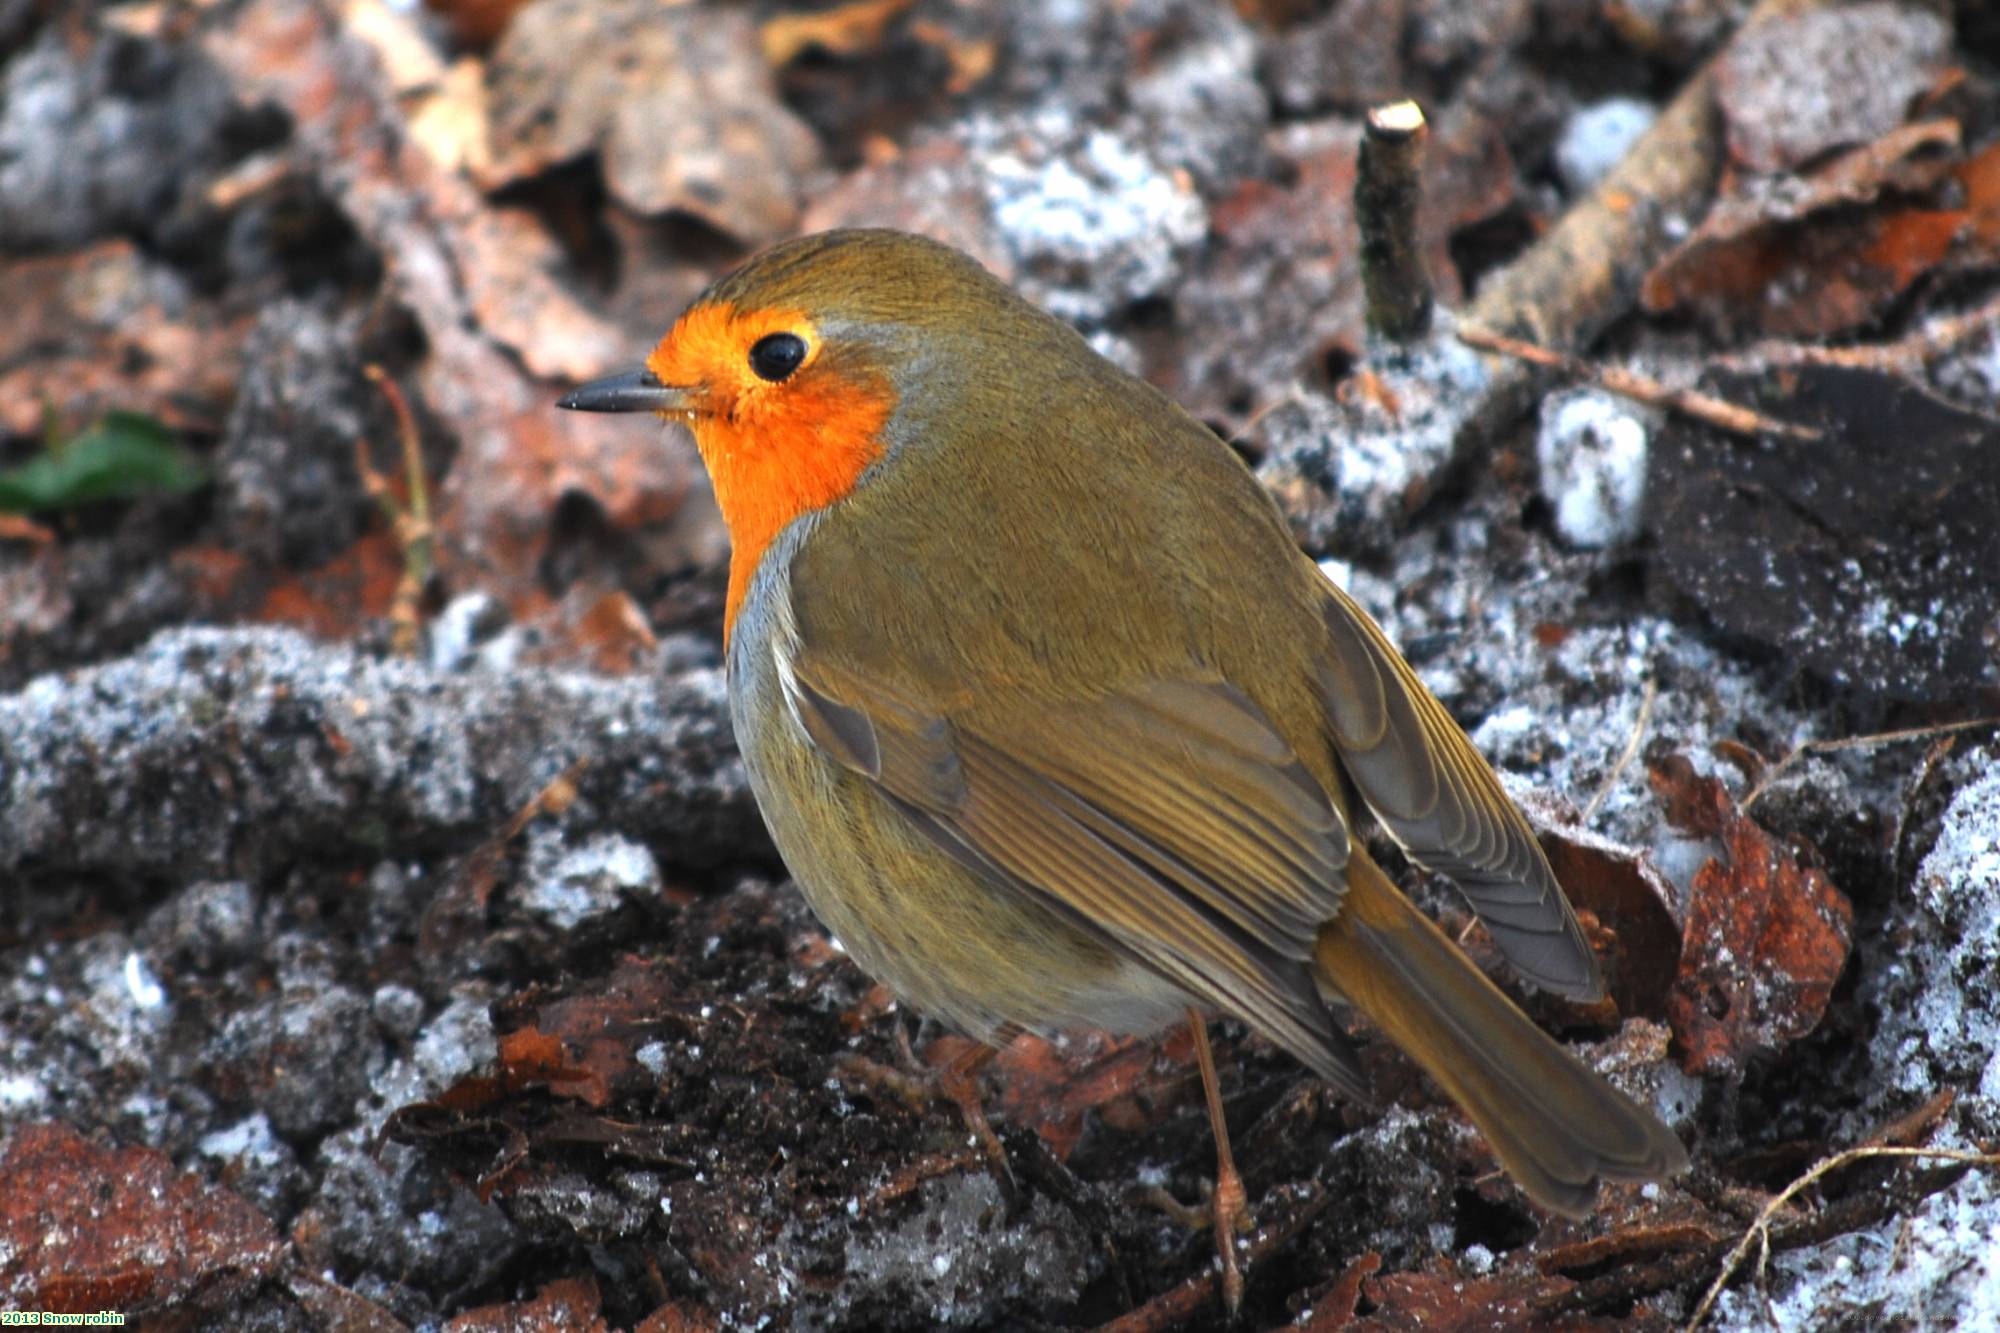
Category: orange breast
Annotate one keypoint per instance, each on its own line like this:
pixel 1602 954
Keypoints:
pixel 773 451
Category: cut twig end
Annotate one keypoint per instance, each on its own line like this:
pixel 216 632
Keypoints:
pixel 1388 194
pixel 1396 120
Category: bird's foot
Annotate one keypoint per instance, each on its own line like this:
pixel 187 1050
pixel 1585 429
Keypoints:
pixel 1230 1208
pixel 919 1086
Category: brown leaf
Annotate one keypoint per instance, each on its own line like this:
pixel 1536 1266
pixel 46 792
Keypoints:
pixel 449 263
pixel 678 102
pixel 88 332
pixel 85 1228
pixel 567 1305
pixel 1631 901
pixel 842 30
pixel 1632 1243
pixel 596 629
pixel 1446 1303
pixel 530 1057
pixel 1335 1309
pixel 1819 255
pixel 338 1310
pixel 679 1317
pixel 582 1045
pixel 1766 936
pixel 334 600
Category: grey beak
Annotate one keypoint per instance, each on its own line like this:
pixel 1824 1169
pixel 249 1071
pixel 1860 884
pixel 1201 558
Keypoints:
pixel 634 391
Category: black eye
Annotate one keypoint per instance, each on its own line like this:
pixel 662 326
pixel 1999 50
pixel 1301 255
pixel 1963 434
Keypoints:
pixel 776 355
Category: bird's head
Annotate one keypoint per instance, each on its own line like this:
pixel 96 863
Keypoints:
pixel 794 371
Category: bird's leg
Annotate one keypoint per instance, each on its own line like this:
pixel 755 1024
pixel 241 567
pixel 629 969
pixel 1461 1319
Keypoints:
pixel 1229 1204
pixel 956 1084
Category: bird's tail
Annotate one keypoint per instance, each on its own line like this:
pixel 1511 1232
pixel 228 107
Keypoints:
pixel 1557 1127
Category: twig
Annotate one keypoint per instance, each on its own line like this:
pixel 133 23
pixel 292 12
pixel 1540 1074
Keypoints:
pixel 1904 354
pixel 411 524
pixel 1723 415
pixel 1804 748
pixel 929 1167
pixel 1625 756
pixel 1759 1232
pixel 1388 192
pixel 1579 277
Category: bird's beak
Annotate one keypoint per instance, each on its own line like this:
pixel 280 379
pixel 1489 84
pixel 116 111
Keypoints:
pixel 634 391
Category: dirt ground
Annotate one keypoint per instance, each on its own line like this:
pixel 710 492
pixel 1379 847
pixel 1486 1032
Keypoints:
pixel 388 937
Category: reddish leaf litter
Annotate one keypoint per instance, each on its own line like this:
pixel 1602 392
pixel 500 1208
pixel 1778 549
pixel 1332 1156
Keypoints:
pixel 1767 935
pixel 87 1228
pixel 438 973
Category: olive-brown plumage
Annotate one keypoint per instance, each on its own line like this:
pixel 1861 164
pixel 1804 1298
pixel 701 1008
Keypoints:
pixel 1056 726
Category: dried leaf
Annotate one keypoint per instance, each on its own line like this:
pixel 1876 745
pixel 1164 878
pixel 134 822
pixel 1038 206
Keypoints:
pixel 1447 1303
pixel 85 1228
pixel 1625 893
pixel 477 23
pixel 89 332
pixel 1767 936
pixel 1631 1243
pixel 842 30
pixel 679 104
pixel 1335 1309
pixel 683 1316
pixel 1052 1088
pixel 567 1305
pixel 1799 258
pixel 446 261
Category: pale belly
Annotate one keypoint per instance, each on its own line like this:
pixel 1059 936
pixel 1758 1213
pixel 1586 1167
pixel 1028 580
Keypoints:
pixel 985 960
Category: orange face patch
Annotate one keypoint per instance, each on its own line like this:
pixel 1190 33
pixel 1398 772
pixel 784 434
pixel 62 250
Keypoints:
pixel 774 449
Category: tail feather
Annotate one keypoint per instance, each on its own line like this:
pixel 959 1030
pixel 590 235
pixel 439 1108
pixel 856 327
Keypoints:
pixel 1557 1127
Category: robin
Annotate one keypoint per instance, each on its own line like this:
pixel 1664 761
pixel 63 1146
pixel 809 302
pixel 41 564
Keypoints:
pixel 1056 727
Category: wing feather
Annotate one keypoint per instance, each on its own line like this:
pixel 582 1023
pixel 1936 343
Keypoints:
pixel 1172 822
pixel 1440 801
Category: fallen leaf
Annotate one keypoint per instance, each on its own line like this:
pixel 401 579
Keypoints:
pixel 1816 255
pixel 682 1316
pixel 85 1228
pixel 1767 936
pixel 1447 1303
pixel 1626 894
pixel 594 629
pixel 1336 1308
pixel 842 30
pixel 566 1305
pixel 90 332
pixel 1051 1088
pixel 678 103
pixel 1630 1243
pixel 446 260
pixel 477 23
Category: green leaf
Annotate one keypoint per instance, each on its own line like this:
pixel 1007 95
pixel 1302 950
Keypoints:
pixel 122 457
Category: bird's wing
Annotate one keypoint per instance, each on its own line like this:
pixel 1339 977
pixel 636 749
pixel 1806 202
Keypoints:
pixel 1170 819
pixel 1441 802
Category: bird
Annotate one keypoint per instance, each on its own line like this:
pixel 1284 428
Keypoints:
pixel 1057 728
